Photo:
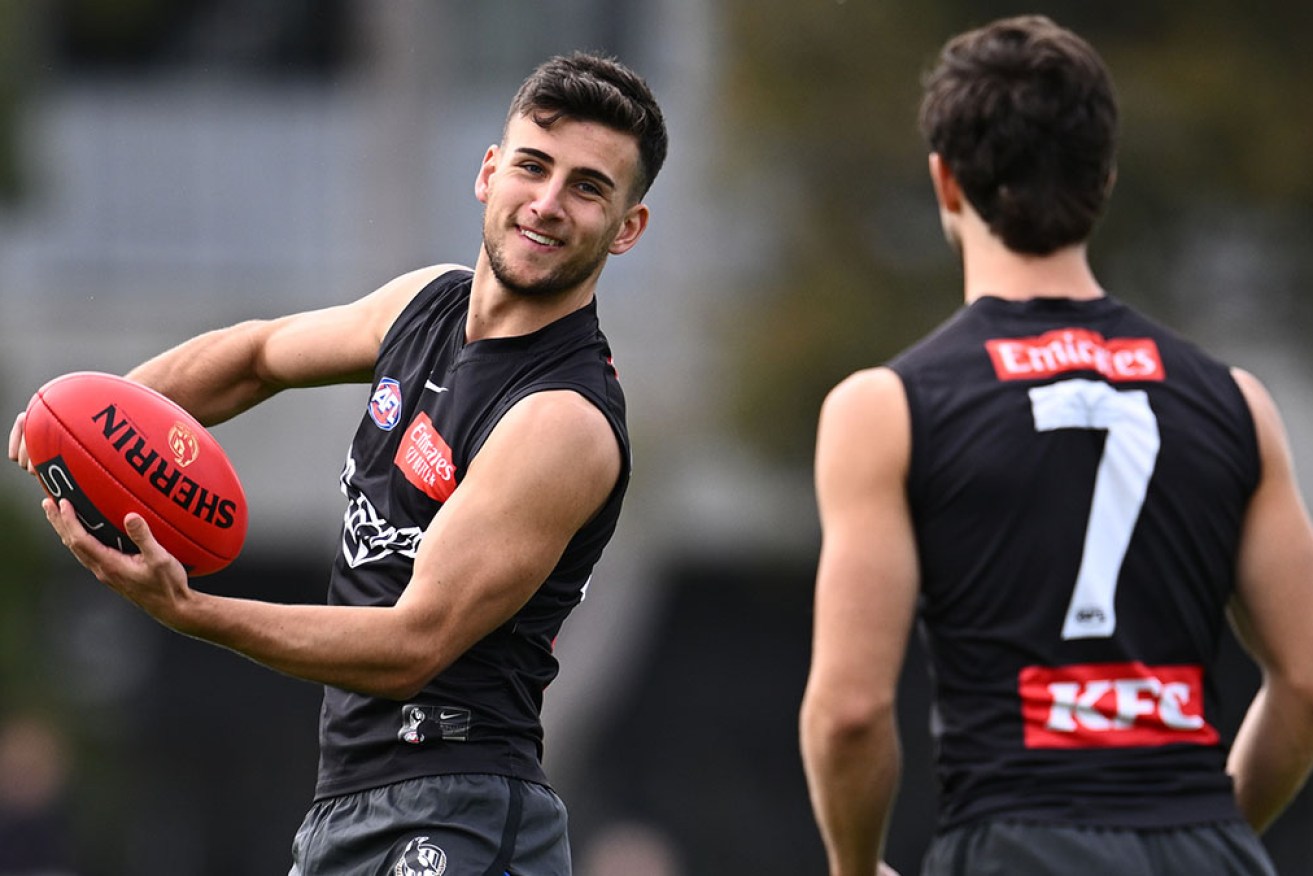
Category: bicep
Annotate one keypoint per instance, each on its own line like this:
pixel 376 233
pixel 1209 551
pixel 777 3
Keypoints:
pixel 546 469
pixel 1274 586
pixel 340 343
pixel 867 577
pixel 221 373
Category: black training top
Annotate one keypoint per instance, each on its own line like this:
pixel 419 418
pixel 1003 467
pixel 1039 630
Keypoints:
pixel 1079 476
pixel 435 400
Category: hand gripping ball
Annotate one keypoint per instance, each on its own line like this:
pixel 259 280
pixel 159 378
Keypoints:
pixel 111 446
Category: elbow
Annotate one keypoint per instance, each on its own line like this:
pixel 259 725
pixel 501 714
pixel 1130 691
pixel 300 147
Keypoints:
pixel 400 689
pixel 848 740
pixel 407 679
pixel 412 651
pixel 844 722
pixel 1293 689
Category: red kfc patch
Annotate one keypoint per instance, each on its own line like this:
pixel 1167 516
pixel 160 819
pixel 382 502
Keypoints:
pixel 1113 705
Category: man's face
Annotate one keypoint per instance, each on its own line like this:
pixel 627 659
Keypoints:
pixel 557 203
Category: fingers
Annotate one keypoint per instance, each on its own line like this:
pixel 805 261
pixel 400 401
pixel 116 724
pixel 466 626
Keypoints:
pixel 139 531
pixel 100 559
pixel 85 548
pixel 17 446
pixel 145 578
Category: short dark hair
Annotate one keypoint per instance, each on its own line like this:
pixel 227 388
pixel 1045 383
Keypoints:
pixel 593 88
pixel 1024 114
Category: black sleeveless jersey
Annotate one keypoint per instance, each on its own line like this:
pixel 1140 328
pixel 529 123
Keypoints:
pixel 435 399
pixel 1078 480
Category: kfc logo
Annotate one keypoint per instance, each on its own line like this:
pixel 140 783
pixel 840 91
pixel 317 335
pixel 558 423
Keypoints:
pixel 1113 705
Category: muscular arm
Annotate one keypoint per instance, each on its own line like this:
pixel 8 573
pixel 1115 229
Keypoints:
pixel 866 588
pixel 219 374
pixel 545 470
pixel 1273 751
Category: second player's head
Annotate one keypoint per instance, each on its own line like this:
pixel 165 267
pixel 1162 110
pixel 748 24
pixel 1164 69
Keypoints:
pixel 1024 115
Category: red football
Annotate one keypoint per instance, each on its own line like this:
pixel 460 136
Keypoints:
pixel 111 446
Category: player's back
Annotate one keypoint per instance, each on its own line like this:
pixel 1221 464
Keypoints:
pixel 1078 479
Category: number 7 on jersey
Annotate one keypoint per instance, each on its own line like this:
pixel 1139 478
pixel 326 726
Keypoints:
pixel 1127 464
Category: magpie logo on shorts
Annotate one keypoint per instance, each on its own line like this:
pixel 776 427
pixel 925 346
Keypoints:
pixel 385 404
pixel 421 858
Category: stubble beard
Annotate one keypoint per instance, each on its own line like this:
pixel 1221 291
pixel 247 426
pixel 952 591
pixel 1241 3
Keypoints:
pixel 567 276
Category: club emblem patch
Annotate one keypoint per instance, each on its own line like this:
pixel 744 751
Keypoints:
pixel 421 858
pixel 183 443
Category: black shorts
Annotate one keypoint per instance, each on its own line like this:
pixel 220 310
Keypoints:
pixel 1005 848
pixel 460 825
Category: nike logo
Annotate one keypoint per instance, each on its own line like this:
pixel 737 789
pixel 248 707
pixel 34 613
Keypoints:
pixel 433 387
pixel 449 716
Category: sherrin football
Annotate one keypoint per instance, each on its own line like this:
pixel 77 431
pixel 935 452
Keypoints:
pixel 111 446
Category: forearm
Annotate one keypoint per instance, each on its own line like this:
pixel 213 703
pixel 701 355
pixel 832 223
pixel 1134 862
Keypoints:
pixel 852 773
pixel 369 650
pixel 1272 754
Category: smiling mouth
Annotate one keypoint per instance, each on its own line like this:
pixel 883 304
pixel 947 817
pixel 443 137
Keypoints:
pixel 538 238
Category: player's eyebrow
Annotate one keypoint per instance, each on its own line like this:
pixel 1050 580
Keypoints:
pixel 590 172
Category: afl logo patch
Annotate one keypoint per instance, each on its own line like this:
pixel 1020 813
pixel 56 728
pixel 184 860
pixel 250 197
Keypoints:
pixel 385 404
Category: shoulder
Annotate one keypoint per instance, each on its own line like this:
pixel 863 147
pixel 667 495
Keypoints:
pixel 1256 395
pixel 572 354
pixel 1271 434
pixel 960 334
pixel 555 437
pixel 869 397
pixel 401 289
pixel 562 416
pixel 585 436
pixel 385 305
pixel 865 428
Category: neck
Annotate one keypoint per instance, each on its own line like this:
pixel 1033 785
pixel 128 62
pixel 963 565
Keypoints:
pixel 990 268
pixel 497 312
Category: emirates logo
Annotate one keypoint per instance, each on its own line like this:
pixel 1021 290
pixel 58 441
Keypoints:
pixel 183 443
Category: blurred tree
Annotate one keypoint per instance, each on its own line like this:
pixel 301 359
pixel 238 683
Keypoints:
pixel 822 102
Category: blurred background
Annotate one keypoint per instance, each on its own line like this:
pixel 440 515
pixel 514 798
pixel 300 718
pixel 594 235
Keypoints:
pixel 171 166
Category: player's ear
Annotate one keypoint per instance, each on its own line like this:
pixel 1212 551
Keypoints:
pixel 631 228
pixel 947 191
pixel 485 173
